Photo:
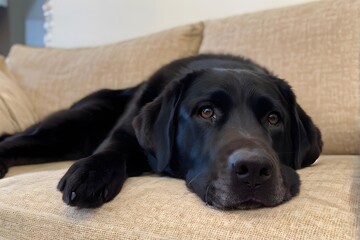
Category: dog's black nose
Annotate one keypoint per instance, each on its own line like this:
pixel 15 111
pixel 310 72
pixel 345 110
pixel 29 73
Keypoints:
pixel 251 168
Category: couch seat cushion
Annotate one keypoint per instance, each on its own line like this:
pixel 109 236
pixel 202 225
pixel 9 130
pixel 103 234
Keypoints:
pixel 153 207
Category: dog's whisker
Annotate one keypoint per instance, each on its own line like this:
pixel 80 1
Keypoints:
pixel 206 193
pixel 197 175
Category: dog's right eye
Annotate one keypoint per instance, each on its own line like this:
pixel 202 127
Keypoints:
pixel 273 118
pixel 207 113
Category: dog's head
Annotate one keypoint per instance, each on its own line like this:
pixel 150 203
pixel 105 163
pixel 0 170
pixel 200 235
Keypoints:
pixel 234 136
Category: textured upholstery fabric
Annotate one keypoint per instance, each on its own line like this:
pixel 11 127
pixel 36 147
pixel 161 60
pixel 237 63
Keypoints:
pixel 55 78
pixel 153 207
pixel 315 47
pixel 16 111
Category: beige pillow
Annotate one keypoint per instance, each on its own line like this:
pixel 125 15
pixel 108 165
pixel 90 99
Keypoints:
pixel 55 78
pixel 313 46
pixel 16 110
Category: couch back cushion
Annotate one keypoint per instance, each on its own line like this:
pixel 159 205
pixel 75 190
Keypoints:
pixel 16 111
pixel 315 47
pixel 55 78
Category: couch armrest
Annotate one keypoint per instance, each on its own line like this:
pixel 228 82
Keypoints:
pixel 16 110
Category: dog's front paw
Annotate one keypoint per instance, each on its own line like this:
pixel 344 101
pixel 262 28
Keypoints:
pixel 3 168
pixel 92 181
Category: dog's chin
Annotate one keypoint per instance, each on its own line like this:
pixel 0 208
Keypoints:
pixel 251 204
pixel 244 205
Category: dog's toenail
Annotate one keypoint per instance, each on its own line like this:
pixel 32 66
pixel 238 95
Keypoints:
pixel 73 196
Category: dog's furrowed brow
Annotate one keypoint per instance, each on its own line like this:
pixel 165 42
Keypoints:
pixel 221 99
pixel 262 104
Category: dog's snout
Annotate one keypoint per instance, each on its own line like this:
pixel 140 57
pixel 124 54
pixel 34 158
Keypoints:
pixel 250 168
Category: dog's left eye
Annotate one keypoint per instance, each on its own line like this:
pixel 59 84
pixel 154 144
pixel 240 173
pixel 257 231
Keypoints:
pixel 273 118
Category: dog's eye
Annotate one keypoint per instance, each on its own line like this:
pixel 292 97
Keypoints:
pixel 273 118
pixel 207 112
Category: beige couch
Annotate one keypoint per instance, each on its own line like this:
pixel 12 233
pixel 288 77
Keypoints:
pixel 315 47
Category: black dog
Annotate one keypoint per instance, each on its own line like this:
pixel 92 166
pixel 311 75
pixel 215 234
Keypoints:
pixel 227 126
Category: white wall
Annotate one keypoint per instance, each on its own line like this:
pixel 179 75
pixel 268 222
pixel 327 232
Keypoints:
pixel 75 23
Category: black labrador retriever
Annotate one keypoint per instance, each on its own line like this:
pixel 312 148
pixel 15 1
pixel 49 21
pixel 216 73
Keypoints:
pixel 227 126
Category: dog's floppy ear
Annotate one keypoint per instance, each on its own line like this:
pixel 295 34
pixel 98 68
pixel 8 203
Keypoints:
pixel 155 125
pixel 306 137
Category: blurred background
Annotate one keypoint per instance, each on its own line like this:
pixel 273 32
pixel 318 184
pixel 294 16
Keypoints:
pixel 86 23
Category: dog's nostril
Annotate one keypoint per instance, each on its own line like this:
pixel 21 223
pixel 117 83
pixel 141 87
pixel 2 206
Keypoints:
pixel 242 170
pixel 265 172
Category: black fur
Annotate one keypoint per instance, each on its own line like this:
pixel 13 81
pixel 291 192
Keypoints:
pixel 241 156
